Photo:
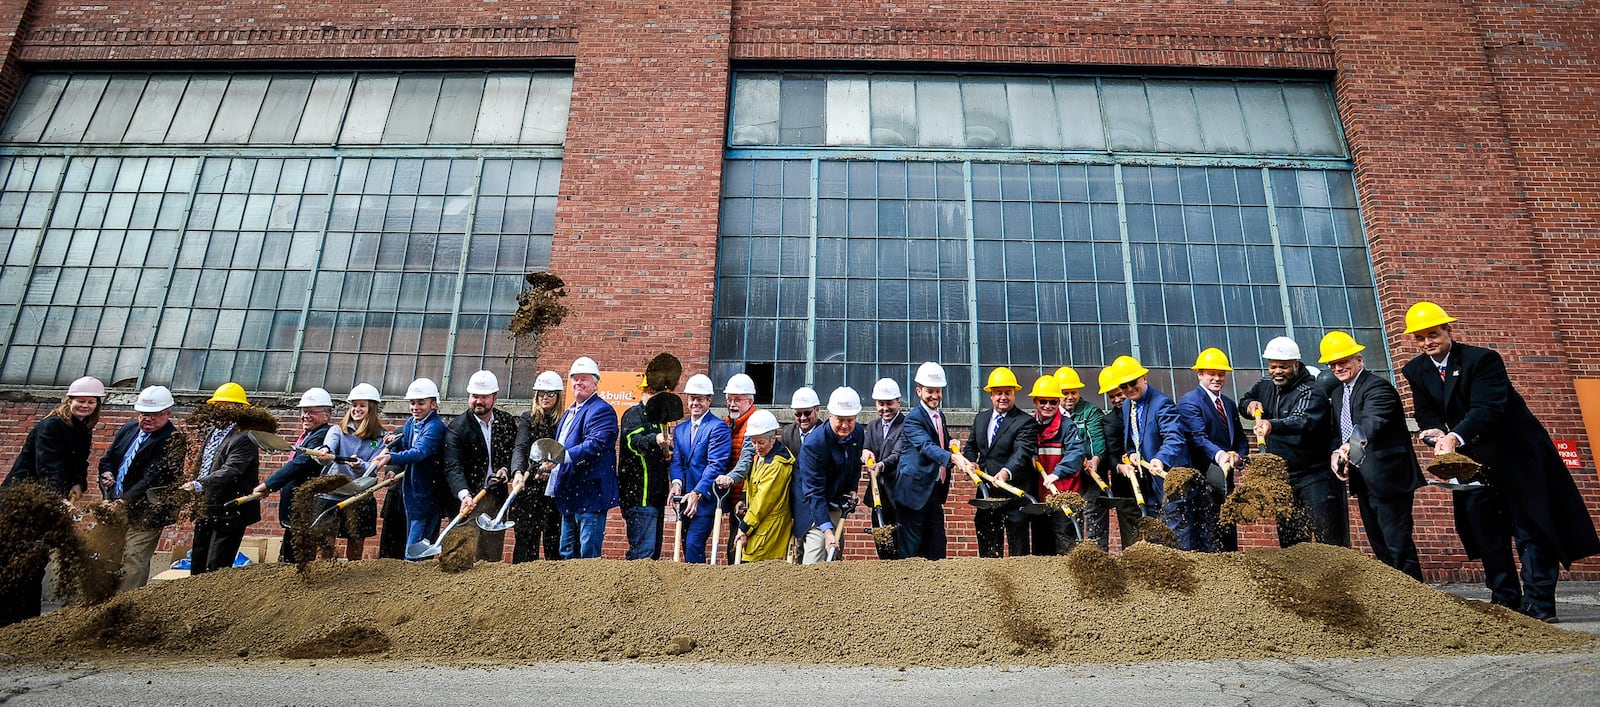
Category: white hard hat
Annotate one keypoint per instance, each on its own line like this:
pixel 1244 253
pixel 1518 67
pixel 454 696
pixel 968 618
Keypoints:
pixel 584 364
pixel 699 384
pixel 740 384
pixel 886 389
pixel 87 386
pixel 1281 348
pixel 364 391
pixel 483 383
pixel 549 380
pixel 153 399
pixel 761 422
pixel 803 398
pixel 316 398
pixel 844 402
pixel 422 388
pixel 930 375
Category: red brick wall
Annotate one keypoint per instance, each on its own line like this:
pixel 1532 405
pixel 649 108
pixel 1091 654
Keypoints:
pixel 1474 128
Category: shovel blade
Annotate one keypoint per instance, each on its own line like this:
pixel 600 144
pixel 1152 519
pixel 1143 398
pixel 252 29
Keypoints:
pixel 1037 509
pixel 987 503
pixel 422 549
pixel 323 517
pixel 492 525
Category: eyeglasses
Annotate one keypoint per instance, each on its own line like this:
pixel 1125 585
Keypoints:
pixel 1047 403
pixel 804 413
pixel 1130 385
pixel 545 394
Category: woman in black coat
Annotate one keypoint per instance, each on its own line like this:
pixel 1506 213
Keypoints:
pixel 537 523
pixel 56 456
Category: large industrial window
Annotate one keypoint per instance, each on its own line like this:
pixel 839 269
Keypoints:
pixel 872 222
pixel 281 230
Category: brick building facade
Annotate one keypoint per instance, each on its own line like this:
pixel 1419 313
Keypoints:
pixel 1473 129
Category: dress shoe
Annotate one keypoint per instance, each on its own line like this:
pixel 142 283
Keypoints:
pixel 1548 617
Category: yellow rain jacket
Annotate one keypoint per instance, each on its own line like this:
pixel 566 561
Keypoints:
pixel 769 516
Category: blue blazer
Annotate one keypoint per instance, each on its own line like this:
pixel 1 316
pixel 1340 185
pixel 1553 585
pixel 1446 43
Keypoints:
pixel 587 481
pixel 1209 433
pixel 698 459
pixel 917 476
pixel 419 450
pixel 828 470
pixel 1161 433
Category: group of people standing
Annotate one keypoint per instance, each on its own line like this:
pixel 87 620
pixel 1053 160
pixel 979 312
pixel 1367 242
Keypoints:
pixel 785 489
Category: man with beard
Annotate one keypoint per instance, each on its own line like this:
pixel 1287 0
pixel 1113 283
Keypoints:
pixel 230 467
pixel 1294 419
pixel 881 447
pixel 478 447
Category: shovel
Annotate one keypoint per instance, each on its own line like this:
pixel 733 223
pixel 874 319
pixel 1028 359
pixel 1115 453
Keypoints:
pixel 361 483
pixel 982 500
pixel 328 514
pixel 276 443
pixel 716 528
pixel 544 450
pixel 1138 495
pixel 422 549
pixel 1034 507
pixel 883 534
pixel 677 529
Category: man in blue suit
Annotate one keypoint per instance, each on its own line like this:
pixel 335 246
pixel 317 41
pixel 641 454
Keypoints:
pixel 922 479
pixel 416 449
pixel 585 485
pixel 702 450
pixel 1218 440
pixel 827 475
pixel 1154 431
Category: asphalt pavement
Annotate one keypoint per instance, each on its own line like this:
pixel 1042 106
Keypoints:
pixel 1566 678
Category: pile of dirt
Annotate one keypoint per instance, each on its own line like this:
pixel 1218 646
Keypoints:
pixel 1453 466
pixel 1152 530
pixel 1264 492
pixel 1152 603
pixel 1178 480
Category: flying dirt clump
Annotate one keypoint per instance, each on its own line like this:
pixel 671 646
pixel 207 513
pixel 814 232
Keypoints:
pixel 1160 568
pixel 312 541
pixel 539 306
pixel 1178 480
pixel 1453 466
pixel 1095 574
pixel 1264 492
pixel 343 641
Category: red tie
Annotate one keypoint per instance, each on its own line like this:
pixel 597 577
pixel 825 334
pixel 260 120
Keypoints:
pixel 1220 413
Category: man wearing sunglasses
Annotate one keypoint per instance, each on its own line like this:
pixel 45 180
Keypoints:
pixel 1153 430
pixel 807 409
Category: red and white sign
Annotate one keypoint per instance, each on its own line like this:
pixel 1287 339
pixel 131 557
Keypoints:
pixel 1568 449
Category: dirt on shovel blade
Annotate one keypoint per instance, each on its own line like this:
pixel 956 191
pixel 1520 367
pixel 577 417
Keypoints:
pixel 1068 500
pixel 884 537
pixel 1264 492
pixel 1453 466
pixel 1178 480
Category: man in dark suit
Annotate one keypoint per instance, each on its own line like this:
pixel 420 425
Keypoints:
pixel 883 442
pixel 585 485
pixel 478 447
pixel 1465 402
pixel 826 475
pixel 230 467
pixel 316 406
pixel 1372 421
pixel 1295 423
pixel 1118 494
pixel 1217 446
pixel 1153 431
pixel 137 461
pixel 922 479
pixel 1003 442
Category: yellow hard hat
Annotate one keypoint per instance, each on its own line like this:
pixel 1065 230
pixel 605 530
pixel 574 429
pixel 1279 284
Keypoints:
pixel 1068 379
pixel 1212 359
pixel 229 393
pixel 1106 374
pixel 1002 377
pixel 1424 316
pixel 1337 346
pixel 1125 369
pixel 1045 387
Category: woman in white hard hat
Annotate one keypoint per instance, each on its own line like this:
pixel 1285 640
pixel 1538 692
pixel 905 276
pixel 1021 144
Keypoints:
pixel 56 456
pixel 767 523
pixel 358 434
pixel 538 525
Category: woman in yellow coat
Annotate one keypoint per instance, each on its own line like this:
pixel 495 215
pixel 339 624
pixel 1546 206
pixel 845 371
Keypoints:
pixel 767 522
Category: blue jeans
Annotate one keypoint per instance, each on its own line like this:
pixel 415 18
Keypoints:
pixel 644 532
pixel 419 530
pixel 582 535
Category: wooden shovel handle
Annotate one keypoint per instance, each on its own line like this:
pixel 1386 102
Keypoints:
pixel 246 499
pixel 1003 486
pixel 381 484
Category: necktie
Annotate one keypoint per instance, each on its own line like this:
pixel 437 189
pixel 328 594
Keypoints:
pixel 938 425
pixel 210 453
pixel 1223 415
pixel 127 461
pixel 1137 434
pixel 1220 412
pixel 994 429
pixel 1346 426
pixel 1441 372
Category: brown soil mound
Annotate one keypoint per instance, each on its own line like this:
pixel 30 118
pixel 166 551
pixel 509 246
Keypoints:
pixel 1178 480
pixel 460 548
pixel 1308 600
pixel 1264 492
pixel 341 642
pixel 1152 530
pixel 1453 466
pixel 1160 568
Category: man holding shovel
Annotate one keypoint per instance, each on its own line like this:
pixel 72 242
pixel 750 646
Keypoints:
pixel 1153 430
pixel 1294 421
pixel 1060 459
pixel 701 450
pixel 137 461
pixel 416 449
pixel 922 480
pixel 828 474
pixel 881 453
pixel 477 452
pixel 1217 439
pixel 1002 442
pixel 316 407
pixel 1465 403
